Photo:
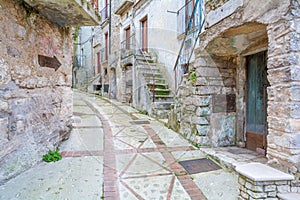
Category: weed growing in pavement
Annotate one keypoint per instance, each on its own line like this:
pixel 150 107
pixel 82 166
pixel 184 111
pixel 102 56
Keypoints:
pixel 52 156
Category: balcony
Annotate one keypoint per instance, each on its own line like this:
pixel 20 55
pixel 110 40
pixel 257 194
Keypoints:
pixel 128 46
pixel 123 6
pixel 67 12
pixel 104 14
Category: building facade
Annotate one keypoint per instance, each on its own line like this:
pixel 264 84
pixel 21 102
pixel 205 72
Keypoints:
pixel 36 78
pixel 243 86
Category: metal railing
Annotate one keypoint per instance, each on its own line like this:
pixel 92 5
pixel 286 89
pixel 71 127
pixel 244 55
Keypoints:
pixel 129 43
pixel 104 13
pixel 183 17
pixel 195 22
pixel 79 61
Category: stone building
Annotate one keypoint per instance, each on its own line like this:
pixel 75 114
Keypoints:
pixel 243 86
pixel 36 77
pixel 137 45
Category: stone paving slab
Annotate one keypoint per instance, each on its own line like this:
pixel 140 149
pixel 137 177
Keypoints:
pixel 67 179
pixel 84 139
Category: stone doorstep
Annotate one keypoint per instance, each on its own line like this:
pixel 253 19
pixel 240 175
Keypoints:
pixel 259 172
pixel 289 196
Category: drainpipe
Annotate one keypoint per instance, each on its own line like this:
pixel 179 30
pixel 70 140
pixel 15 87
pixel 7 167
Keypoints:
pixel 109 29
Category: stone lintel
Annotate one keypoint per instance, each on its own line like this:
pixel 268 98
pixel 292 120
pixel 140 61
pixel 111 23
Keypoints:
pixel 66 12
pixel 222 12
pixel 260 172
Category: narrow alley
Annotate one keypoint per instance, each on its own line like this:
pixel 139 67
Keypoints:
pixel 116 153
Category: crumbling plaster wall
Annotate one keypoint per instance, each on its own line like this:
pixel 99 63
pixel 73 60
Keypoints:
pixel 35 101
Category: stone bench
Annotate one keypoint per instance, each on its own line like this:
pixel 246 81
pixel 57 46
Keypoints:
pixel 259 181
pixel 289 196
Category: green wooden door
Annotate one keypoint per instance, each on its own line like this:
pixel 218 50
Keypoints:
pixel 257 84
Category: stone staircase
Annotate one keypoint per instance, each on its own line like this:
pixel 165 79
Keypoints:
pixel 161 94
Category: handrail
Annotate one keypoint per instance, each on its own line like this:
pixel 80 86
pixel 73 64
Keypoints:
pixel 188 28
pixel 128 42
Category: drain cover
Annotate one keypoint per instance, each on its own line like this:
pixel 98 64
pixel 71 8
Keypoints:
pixel 199 165
pixel 139 122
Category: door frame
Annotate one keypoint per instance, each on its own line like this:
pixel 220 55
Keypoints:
pixel 261 138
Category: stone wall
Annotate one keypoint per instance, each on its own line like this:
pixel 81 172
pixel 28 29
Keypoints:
pixel 284 93
pixel 203 114
pixel 213 4
pixel 35 101
pixel 251 28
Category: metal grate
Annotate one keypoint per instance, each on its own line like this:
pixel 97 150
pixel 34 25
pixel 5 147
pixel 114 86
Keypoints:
pixel 199 165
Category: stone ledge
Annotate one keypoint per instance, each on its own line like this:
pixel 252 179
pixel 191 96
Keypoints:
pixel 261 172
pixel 289 196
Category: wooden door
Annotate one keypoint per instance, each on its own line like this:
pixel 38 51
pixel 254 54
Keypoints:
pixel 257 83
pixel 145 34
pixel 127 35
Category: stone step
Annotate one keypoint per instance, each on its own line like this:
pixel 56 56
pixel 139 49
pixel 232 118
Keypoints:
pixel 289 196
pixel 164 85
pixel 151 74
pixel 148 70
pixel 162 105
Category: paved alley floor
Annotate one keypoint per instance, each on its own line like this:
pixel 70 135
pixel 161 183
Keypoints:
pixel 116 153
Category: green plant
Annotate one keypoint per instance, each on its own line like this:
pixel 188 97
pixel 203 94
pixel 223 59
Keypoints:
pixel 76 33
pixel 192 76
pixel 143 112
pixel 52 156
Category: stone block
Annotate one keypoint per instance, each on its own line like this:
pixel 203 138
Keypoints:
pixel 199 120
pixel 294 189
pixel 244 195
pixel 269 188
pixel 203 111
pixel 254 188
pixel 207 90
pixel 272 194
pixel 257 195
pixel 203 130
pixel 283 188
pixel 242 181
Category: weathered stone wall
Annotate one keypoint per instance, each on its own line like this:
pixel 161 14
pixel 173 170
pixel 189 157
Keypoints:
pixel 281 38
pixel 35 101
pixel 204 116
pixel 213 4
pixel 284 92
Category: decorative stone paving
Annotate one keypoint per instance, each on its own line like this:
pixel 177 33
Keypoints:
pixel 107 156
